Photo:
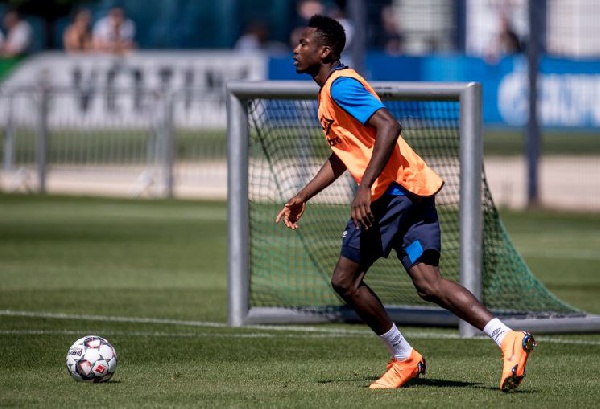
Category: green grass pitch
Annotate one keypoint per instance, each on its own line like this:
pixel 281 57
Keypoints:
pixel 150 276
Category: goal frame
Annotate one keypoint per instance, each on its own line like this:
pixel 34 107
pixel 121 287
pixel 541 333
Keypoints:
pixel 469 97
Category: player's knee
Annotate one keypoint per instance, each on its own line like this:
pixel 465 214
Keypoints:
pixel 429 290
pixel 341 284
pixel 427 281
pixel 427 294
pixel 346 278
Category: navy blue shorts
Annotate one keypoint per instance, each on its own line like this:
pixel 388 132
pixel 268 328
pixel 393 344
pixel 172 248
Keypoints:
pixel 408 224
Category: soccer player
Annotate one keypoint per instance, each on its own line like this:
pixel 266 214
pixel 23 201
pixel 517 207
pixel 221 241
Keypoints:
pixel 393 208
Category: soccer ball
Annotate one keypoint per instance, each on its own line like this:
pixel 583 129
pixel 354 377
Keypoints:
pixel 92 359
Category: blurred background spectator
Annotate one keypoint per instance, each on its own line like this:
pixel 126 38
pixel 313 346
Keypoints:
pixel 305 9
pixel 254 38
pixel 114 33
pixel 338 11
pixel 17 36
pixel 389 38
pixel 509 42
pixel 496 27
pixel 77 37
pixel 257 37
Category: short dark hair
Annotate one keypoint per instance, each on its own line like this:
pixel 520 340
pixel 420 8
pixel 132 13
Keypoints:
pixel 330 32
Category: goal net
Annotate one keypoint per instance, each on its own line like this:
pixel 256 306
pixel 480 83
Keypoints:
pixel 276 275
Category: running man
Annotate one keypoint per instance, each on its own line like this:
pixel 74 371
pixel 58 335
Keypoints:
pixel 393 208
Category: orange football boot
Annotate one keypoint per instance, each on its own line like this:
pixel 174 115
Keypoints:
pixel 399 372
pixel 515 347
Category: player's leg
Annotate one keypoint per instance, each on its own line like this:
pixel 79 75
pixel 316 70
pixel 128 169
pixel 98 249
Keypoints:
pixel 406 362
pixel 347 281
pixel 515 345
pixel 432 287
pixel 360 248
pixel 419 252
pixel 420 256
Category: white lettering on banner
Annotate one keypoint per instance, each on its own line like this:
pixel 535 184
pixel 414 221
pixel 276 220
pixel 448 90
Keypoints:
pixel 563 99
pixel 109 90
pixel 512 98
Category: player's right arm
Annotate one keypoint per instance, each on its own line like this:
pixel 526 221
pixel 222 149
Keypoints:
pixel 294 208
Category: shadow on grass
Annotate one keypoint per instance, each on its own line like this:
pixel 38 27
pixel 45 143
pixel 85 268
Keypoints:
pixel 418 382
pixel 444 383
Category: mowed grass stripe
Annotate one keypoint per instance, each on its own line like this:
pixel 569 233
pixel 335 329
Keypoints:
pixel 324 333
pixel 297 330
pixel 562 254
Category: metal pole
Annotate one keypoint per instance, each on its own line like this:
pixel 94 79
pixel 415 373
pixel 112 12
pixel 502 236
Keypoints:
pixel 42 135
pixel 533 133
pixel 238 274
pixel 471 223
pixel 358 16
pixel 9 137
pixel 169 144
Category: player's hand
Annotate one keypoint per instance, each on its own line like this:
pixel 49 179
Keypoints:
pixel 361 208
pixel 291 212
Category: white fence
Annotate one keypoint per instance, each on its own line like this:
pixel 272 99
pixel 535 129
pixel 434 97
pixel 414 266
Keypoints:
pixel 54 142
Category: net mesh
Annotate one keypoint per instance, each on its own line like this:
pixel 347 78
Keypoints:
pixel 291 269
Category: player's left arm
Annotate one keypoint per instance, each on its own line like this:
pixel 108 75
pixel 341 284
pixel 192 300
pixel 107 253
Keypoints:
pixel 293 210
pixel 366 108
pixel 387 130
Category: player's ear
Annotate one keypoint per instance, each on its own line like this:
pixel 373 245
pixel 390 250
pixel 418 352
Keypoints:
pixel 327 53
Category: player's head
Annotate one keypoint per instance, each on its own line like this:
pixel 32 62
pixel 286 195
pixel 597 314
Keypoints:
pixel 330 33
pixel 321 42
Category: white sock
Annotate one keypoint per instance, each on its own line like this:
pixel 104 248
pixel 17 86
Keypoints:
pixel 496 330
pixel 398 346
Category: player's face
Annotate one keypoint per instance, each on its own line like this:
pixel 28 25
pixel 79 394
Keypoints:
pixel 307 53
